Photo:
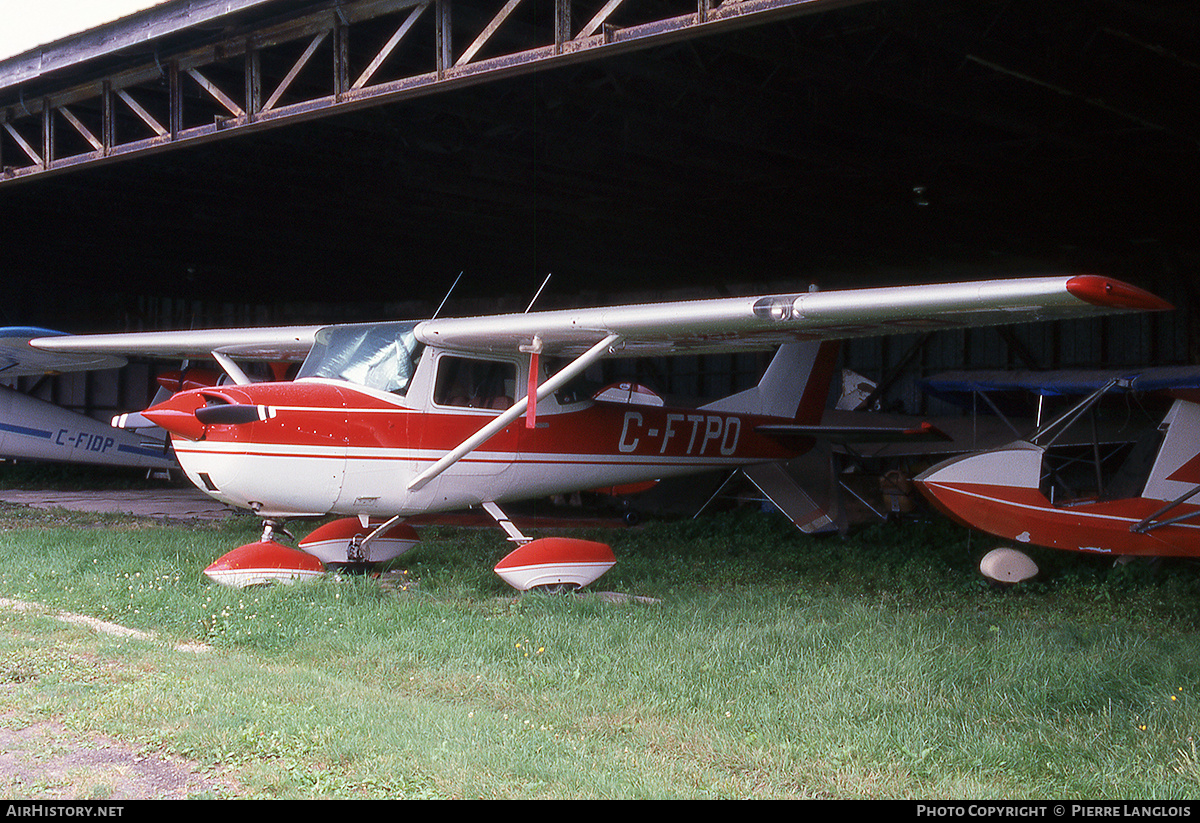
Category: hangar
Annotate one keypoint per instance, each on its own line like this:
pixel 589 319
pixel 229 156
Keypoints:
pixel 236 162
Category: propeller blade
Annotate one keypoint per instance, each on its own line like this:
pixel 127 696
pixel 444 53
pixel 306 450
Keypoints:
pixel 233 414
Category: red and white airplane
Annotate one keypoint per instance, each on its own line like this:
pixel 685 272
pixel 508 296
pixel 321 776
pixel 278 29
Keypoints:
pixel 1133 496
pixel 388 420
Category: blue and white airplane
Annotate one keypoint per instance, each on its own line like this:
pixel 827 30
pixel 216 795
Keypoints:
pixel 33 429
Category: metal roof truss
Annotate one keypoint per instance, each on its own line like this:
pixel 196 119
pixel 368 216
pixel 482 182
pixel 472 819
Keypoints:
pixel 341 56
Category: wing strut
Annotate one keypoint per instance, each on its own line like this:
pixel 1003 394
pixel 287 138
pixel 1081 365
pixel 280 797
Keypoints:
pixel 513 412
pixel 232 369
pixel 1152 521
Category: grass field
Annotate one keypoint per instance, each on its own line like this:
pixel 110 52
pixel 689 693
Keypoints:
pixel 748 661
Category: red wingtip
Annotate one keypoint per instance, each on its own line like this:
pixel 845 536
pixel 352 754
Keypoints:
pixel 1104 291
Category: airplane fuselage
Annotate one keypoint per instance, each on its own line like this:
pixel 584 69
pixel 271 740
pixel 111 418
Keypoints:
pixel 1000 491
pixel 36 430
pixel 329 447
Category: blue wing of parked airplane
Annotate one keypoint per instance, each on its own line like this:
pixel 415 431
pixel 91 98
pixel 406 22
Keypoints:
pixel 19 359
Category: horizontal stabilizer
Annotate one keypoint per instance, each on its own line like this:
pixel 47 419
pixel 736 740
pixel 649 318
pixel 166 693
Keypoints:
pixel 773 480
pixel 923 432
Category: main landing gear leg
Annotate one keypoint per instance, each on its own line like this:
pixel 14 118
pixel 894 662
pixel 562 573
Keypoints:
pixel 515 536
pixel 355 544
pixel 358 551
pixel 510 528
pixel 271 528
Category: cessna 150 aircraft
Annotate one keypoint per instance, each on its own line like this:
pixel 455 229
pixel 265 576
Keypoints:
pixel 387 420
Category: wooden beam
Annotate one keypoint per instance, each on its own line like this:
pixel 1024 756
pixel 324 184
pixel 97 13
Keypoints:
pixel 561 46
pixel 597 21
pixel 81 128
pixel 142 114
pixel 218 95
pixel 25 147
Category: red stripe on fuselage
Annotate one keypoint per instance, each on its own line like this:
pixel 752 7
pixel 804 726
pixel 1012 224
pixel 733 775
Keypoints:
pixel 326 415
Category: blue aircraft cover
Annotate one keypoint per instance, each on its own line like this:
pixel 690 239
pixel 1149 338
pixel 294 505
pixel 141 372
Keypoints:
pixel 958 386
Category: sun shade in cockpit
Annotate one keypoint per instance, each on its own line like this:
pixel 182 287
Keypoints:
pixel 379 356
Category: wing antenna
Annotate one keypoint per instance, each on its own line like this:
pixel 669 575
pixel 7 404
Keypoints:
pixel 539 292
pixel 448 293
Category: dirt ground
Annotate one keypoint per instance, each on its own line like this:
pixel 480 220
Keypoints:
pixel 47 761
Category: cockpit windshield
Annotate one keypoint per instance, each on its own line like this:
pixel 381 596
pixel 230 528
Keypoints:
pixel 379 356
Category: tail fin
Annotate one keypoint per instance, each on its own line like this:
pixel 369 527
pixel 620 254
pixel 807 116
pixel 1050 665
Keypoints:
pixel 795 385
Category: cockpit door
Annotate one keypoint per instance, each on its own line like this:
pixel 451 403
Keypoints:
pixel 467 393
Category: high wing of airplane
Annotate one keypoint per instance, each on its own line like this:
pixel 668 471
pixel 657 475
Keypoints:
pixel 388 420
pixel 19 359
pixel 1128 493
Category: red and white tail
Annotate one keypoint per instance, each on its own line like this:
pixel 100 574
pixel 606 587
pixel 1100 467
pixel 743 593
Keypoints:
pixel 795 385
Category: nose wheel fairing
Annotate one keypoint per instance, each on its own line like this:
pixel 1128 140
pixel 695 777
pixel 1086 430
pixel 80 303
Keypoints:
pixel 348 542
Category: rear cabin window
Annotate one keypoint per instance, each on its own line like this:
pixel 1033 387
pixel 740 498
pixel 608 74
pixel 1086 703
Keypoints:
pixel 466 382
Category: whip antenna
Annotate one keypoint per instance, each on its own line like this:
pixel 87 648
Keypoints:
pixel 447 297
pixel 539 292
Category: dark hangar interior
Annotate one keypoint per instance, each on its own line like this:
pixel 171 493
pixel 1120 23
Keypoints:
pixel 842 143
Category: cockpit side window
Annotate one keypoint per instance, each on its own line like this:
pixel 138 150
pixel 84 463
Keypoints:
pixel 577 389
pixel 471 383
pixel 380 356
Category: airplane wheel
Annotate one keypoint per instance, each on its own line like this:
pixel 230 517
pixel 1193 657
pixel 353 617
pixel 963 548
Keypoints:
pixel 353 568
pixel 1007 566
pixel 556 588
